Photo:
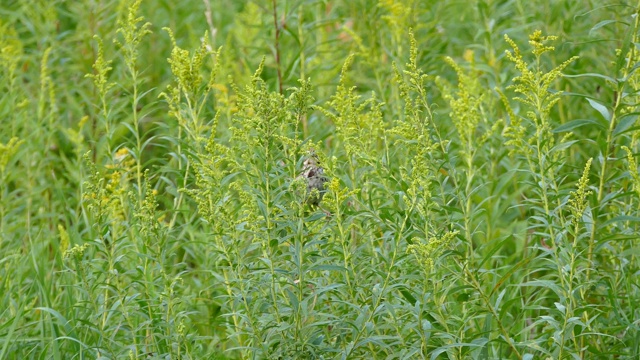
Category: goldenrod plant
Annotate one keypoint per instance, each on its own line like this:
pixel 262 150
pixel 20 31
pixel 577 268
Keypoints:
pixel 290 179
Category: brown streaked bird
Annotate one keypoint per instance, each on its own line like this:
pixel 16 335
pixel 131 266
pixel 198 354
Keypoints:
pixel 313 174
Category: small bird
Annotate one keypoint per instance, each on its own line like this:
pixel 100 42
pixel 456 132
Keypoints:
pixel 313 174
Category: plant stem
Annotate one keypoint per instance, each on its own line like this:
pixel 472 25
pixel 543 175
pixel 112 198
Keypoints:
pixel 609 144
pixel 277 45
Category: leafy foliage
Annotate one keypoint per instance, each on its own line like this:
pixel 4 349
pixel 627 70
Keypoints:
pixel 482 196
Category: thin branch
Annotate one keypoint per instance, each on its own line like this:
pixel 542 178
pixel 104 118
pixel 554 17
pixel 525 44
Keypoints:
pixel 277 45
pixel 212 29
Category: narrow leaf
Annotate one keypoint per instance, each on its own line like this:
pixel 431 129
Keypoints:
pixel 600 108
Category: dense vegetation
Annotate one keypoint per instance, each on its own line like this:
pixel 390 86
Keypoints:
pixel 483 194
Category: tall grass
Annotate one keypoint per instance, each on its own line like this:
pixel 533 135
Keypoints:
pixel 482 197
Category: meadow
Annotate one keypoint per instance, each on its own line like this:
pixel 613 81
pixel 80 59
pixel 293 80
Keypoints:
pixel 482 194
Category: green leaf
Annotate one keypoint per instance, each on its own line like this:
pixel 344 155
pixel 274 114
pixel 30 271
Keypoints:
pixel 563 145
pixel 407 295
pixel 499 299
pixel 621 218
pixel 603 110
pixel 624 50
pixel 327 268
pixel 608 78
pixel 510 272
pixel 8 336
pixel 605 23
pixel 625 123
pixel 293 300
pixel 574 124
pixel 543 284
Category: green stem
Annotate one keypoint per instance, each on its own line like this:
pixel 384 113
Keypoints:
pixel 609 143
